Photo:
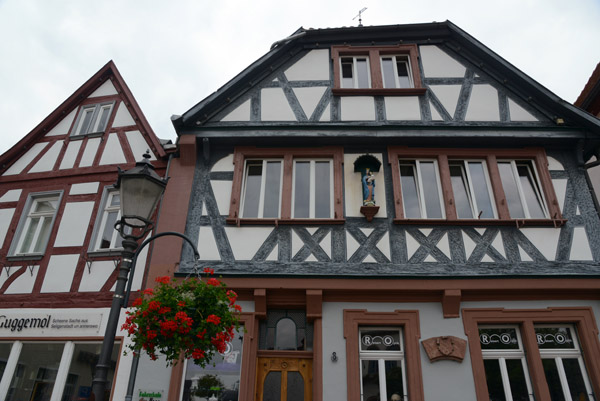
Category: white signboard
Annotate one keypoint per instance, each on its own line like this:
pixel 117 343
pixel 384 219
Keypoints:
pixel 55 323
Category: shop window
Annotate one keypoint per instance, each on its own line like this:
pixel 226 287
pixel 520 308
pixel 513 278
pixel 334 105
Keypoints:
pixel 287 186
pixel 473 186
pixel 286 329
pixel 219 379
pixel 92 118
pixel 36 224
pixel 105 236
pixel 370 70
pixel 539 356
pixel 382 355
pixel 37 366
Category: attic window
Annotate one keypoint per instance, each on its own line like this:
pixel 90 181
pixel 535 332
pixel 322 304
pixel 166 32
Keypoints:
pixel 385 70
pixel 92 118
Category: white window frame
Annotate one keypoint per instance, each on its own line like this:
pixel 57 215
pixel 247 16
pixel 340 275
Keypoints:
pixel 537 188
pixel 263 179
pixel 25 222
pixel 312 178
pixel 406 59
pixel 503 355
pixel 471 194
pixel 92 128
pixel 100 224
pixel 381 357
pixel 420 196
pixel 355 71
pixel 558 354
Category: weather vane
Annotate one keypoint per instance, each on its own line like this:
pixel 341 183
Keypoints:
pixel 360 16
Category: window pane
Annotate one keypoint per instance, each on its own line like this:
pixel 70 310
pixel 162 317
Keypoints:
pixel 83 364
pixel 48 205
pixel 387 65
pixel 36 372
pixel 430 190
pixel 370 380
pixel 498 338
pixel 295 387
pixel 531 191
pixel 86 121
pixel 493 379
pixel 516 378
pixel 481 190
pixel 25 248
pixel 44 234
pixel 511 191
pixel 115 199
pixel 460 188
pixel 272 189
pixel 221 379
pixel 554 338
pixel 362 72
pixel 380 340
pixel 403 78
pixel 4 354
pixel 575 379
pixel 394 380
pixel 109 230
pixel 410 195
pixel 272 387
pixel 323 189
pixel 252 190
pixel 347 81
pixel 302 190
pixel 103 118
pixel 285 335
pixel 556 393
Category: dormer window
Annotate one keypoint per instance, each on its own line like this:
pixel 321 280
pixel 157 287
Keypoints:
pixel 376 71
pixel 92 119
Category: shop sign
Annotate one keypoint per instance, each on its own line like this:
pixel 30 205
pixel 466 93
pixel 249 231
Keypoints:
pixel 150 395
pixel 51 322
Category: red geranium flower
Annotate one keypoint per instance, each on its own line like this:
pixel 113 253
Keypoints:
pixel 163 279
pixel 209 270
pixel 148 291
pixel 213 319
pixel 213 282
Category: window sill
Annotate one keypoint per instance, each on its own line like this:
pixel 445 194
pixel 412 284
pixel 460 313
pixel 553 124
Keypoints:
pixel 379 92
pixel 18 258
pixel 105 252
pixel 276 222
pixel 90 135
pixel 485 222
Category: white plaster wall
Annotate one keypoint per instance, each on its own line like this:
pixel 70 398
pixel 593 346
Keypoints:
pixel 140 267
pixel 240 113
pixel 247 306
pixel 517 113
pixel 113 152
pixel 545 240
pixel 309 98
pixel 402 108
pixel 89 152
pixel 62 128
pixel 84 188
pixel 6 216
pixel 106 89
pixel 96 275
pixel 554 164
pixel 245 241
pixel 24 283
pixel 435 115
pixel 11 195
pixel 560 188
pixel 274 106
pixel 326 116
pixel 49 159
pixel 313 66
pixel 448 97
pixel 74 224
pixel 138 145
pixel 357 108
pixel 24 160
pixel 70 155
pixel 483 104
pixel 123 117
pixel 207 246
pixel 438 64
pixel 353 187
pixel 60 272
pixel 222 191
pixel 580 248
pixel 224 164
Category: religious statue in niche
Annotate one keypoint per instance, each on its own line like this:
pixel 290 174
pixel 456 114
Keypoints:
pixel 367 166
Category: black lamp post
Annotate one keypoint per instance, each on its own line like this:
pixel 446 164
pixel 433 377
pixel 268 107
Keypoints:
pixel 141 189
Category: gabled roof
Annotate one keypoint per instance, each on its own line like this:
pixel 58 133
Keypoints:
pixel 73 101
pixel 428 33
pixel 589 99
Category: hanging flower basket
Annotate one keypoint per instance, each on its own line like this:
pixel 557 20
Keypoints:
pixel 190 318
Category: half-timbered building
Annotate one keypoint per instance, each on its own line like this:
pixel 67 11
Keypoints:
pixel 404 215
pixel 59 250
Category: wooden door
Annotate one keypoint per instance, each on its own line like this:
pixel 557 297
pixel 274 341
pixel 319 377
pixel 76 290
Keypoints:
pixel 284 379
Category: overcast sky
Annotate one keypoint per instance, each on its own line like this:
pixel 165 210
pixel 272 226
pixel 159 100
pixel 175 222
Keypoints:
pixel 172 54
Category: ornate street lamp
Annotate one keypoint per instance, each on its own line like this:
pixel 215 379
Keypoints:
pixel 141 189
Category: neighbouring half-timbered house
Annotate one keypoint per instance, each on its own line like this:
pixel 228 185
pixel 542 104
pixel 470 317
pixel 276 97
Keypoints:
pixel 59 250
pixel 404 215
